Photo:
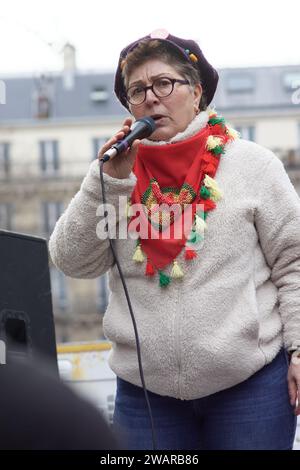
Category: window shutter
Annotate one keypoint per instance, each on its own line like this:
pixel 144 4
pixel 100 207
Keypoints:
pixel 43 162
pixel 55 155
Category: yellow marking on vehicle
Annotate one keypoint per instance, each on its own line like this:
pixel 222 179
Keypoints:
pixel 83 347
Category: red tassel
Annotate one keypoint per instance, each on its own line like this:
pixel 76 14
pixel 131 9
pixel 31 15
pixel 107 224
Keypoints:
pixel 190 254
pixel 218 130
pixel 206 158
pixel 149 269
pixel 209 205
pixel 210 170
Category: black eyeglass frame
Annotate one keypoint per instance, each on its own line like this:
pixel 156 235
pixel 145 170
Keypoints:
pixel 150 87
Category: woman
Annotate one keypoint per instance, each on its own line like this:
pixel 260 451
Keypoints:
pixel 217 315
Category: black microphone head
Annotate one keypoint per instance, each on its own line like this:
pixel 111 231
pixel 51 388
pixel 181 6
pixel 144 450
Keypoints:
pixel 141 129
pixel 147 124
pixel 150 123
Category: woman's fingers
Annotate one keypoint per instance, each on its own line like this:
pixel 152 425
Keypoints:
pixel 109 143
pixel 297 400
pixel 118 136
pixel 134 148
pixel 127 122
pixel 292 391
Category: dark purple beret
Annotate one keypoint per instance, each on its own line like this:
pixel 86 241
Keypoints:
pixel 190 52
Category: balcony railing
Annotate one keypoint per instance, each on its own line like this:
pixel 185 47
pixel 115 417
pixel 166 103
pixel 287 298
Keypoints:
pixel 23 172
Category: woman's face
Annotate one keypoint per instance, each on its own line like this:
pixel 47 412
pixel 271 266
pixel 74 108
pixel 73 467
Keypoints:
pixel 173 113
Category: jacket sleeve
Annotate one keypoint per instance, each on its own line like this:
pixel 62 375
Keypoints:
pixel 278 225
pixel 74 245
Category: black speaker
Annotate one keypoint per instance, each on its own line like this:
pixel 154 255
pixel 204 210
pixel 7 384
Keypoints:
pixel 26 316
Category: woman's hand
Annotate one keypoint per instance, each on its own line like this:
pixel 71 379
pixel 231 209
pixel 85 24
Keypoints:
pixel 294 386
pixel 121 165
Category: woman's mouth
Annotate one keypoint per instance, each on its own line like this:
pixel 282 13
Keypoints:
pixel 159 118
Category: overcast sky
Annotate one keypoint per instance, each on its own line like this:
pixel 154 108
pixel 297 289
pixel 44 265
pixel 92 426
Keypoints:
pixel 231 33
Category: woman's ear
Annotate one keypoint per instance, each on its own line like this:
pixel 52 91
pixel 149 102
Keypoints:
pixel 197 94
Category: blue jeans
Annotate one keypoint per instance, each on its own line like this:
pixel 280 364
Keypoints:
pixel 255 414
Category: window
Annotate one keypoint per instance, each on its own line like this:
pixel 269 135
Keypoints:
pixel 98 142
pixel 240 83
pixel 43 94
pixel 43 107
pixel 6 216
pixel 51 211
pixel 2 92
pixel 58 289
pixel 247 132
pixel 99 94
pixel 4 160
pixel 49 157
pixel 102 293
pixel 291 81
pixel 293 155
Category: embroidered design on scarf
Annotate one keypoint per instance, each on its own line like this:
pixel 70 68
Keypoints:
pixel 198 187
pixel 154 198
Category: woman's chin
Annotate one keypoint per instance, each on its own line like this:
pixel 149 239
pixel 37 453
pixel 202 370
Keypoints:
pixel 162 134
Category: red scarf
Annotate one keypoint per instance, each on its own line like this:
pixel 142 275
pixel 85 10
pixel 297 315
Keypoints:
pixel 173 173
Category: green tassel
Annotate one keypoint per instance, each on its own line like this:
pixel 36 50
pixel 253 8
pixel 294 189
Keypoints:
pixel 164 280
pixel 217 120
pixel 201 214
pixel 218 150
pixel 205 193
pixel 195 237
pixel 205 214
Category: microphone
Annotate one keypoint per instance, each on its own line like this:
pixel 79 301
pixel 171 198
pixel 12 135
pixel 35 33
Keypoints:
pixel 140 129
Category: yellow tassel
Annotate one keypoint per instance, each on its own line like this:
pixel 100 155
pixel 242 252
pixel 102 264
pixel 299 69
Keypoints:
pixel 128 209
pixel 211 112
pixel 200 225
pixel 233 133
pixel 215 192
pixel 210 183
pixel 213 142
pixel 216 195
pixel 138 255
pixel 176 271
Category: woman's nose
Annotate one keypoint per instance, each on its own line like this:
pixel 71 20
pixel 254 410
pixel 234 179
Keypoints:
pixel 151 97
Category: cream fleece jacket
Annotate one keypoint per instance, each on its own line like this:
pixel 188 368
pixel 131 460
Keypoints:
pixel 239 301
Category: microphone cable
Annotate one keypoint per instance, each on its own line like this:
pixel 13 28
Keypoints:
pixel 111 242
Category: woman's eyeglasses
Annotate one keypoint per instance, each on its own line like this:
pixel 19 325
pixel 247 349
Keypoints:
pixel 161 87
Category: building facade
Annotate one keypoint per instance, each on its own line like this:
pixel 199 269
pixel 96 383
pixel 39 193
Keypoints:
pixel 51 128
